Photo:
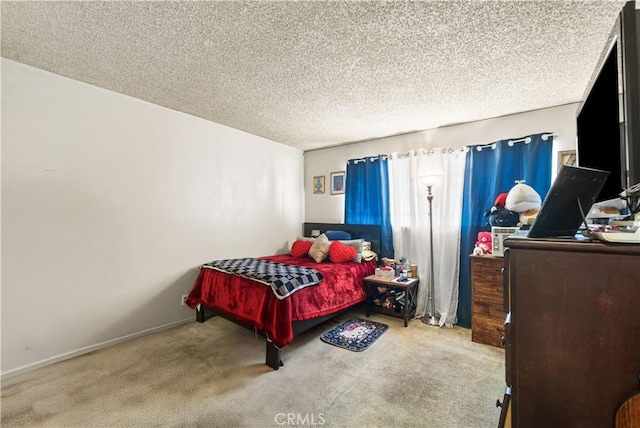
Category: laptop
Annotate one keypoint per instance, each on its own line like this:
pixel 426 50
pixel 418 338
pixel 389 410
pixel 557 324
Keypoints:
pixel 570 198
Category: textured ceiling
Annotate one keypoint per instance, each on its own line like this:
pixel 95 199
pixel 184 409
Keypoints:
pixel 319 74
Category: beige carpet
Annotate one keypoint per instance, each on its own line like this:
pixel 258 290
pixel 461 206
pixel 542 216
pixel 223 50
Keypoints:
pixel 213 375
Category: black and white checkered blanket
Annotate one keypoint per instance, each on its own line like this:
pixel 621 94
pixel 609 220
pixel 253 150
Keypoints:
pixel 284 279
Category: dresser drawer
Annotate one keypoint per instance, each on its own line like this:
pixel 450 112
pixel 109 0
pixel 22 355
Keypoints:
pixel 493 297
pixel 488 331
pixel 508 351
pixel 486 269
pixel 489 310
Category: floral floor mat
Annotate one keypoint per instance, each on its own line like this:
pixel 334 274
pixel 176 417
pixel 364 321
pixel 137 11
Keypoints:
pixel 355 334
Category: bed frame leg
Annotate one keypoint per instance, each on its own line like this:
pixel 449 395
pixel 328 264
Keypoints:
pixel 274 359
pixel 200 313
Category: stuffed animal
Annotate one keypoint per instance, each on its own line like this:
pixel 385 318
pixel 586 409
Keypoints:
pixel 500 216
pixel 524 200
pixel 483 244
pixel 498 204
pixel 504 218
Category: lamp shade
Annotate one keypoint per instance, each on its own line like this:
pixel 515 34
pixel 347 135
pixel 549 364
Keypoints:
pixel 429 180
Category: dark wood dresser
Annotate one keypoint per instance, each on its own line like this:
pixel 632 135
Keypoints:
pixel 572 341
pixel 487 307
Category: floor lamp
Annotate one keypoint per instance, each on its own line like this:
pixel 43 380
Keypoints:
pixel 431 318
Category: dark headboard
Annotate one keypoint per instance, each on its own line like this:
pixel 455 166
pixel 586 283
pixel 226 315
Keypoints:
pixel 368 232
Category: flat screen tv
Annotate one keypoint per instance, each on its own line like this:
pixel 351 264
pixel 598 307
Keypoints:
pixel 608 119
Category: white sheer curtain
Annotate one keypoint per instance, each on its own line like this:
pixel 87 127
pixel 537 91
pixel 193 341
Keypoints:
pixel 410 222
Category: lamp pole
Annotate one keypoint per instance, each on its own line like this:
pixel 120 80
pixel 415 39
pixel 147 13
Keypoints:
pixel 432 318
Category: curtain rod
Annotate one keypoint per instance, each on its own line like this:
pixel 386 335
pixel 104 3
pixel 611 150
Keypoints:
pixel 511 142
pixel 545 136
pixel 371 159
pixel 425 151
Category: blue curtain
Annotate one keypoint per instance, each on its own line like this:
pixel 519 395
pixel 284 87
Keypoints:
pixel 488 173
pixel 367 197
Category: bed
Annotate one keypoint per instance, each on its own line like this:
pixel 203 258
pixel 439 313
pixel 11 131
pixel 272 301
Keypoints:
pixel 256 306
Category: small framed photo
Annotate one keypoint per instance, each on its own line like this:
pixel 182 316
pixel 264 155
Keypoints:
pixel 318 184
pixel 566 157
pixel 337 183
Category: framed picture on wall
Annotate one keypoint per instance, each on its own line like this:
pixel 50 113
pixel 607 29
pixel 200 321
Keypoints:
pixel 318 184
pixel 566 157
pixel 337 183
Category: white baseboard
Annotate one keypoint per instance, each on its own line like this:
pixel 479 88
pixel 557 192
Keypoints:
pixel 68 355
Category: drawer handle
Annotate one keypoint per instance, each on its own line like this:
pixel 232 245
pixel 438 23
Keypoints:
pixel 502 340
pixel 498 403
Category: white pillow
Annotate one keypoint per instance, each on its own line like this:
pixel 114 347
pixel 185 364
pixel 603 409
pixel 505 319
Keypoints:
pixel 357 244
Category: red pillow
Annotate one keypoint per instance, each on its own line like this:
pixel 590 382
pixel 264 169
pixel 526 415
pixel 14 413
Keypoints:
pixel 340 253
pixel 300 248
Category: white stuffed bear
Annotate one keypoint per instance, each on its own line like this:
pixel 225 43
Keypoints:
pixel 524 200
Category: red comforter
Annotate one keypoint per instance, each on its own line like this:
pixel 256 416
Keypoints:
pixel 253 302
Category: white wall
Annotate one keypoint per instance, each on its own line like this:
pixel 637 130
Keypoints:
pixel 110 204
pixel 330 208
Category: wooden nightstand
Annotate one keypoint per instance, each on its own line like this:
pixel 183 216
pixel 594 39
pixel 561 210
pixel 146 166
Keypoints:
pixel 410 289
